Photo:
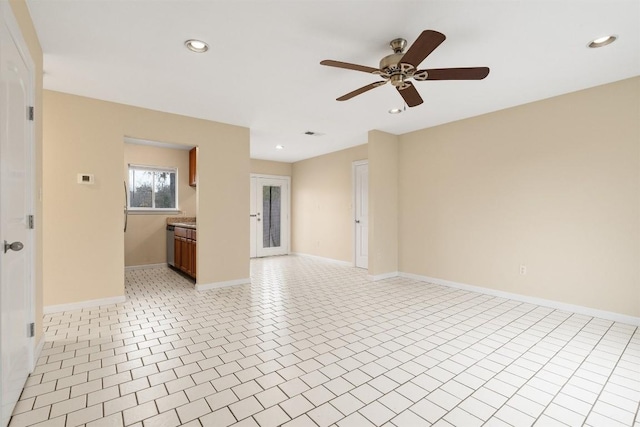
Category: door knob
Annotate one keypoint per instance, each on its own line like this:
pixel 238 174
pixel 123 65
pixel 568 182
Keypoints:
pixel 357 221
pixel 15 246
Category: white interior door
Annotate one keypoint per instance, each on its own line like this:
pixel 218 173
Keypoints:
pixel 253 214
pixel 361 213
pixel 269 216
pixel 16 183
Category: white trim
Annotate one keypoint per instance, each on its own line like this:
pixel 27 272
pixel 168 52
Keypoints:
pixel 286 178
pixel 59 308
pixel 145 266
pixel 37 352
pixel 383 276
pixel 217 285
pixel 7 11
pixel 146 211
pixel 579 309
pixel 263 175
pixel 154 168
pixel 354 164
pixel 319 258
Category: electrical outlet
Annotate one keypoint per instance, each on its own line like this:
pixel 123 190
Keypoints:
pixel 523 270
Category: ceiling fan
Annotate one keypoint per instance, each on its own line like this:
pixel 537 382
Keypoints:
pixel 399 67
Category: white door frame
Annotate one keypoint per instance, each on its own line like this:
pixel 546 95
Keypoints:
pixel 9 20
pixel 288 180
pixel 353 206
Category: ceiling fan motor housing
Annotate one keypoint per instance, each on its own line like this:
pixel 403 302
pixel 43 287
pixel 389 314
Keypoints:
pixel 396 71
pixel 391 63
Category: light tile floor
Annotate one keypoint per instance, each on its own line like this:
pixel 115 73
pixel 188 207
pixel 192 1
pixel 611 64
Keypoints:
pixel 313 343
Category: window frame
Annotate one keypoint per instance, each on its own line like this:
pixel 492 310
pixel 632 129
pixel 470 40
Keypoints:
pixel 155 169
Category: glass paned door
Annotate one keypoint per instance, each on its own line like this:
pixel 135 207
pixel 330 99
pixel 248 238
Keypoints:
pixel 269 216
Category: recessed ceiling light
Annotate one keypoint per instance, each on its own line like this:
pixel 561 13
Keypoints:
pixel 602 41
pixel 279 147
pixel 197 46
pixel 395 111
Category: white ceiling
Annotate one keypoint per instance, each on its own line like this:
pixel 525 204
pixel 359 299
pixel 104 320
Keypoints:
pixel 262 70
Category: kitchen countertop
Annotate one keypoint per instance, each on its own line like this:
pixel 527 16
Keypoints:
pixel 182 221
pixel 191 225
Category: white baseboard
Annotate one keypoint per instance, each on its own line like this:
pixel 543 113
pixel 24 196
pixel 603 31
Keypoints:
pixel 383 276
pixel 144 266
pixel 48 309
pixel 216 285
pixel 319 258
pixel 579 309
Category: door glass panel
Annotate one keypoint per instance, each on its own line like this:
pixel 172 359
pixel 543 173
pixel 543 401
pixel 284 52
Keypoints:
pixel 271 207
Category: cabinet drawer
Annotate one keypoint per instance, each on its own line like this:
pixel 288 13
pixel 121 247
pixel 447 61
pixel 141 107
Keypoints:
pixel 181 232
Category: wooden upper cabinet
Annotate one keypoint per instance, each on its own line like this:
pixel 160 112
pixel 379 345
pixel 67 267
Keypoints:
pixel 193 169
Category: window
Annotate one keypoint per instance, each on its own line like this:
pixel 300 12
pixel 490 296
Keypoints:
pixel 153 188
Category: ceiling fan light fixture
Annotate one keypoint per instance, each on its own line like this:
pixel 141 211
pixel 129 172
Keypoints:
pixel 602 41
pixel 395 111
pixel 279 147
pixel 397 80
pixel 197 46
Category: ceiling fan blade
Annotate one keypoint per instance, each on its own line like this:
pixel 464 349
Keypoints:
pixel 426 43
pixel 470 73
pixel 410 95
pixel 348 66
pixel 363 89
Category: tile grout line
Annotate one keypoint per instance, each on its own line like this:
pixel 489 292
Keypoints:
pixel 611 373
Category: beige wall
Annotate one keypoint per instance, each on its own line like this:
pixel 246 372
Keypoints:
pixel 145 239
pixel 383 203
pixel 321 204
pixel 83 237
pixel 554 185
pixel 27 29
pixel 268 167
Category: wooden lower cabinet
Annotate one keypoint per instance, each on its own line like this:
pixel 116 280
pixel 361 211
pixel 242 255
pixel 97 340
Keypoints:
pixel 193 253
pixel 185 250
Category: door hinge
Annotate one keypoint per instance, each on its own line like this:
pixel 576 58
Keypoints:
pixel 30 222
pixel 30 113
pixel 32 330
